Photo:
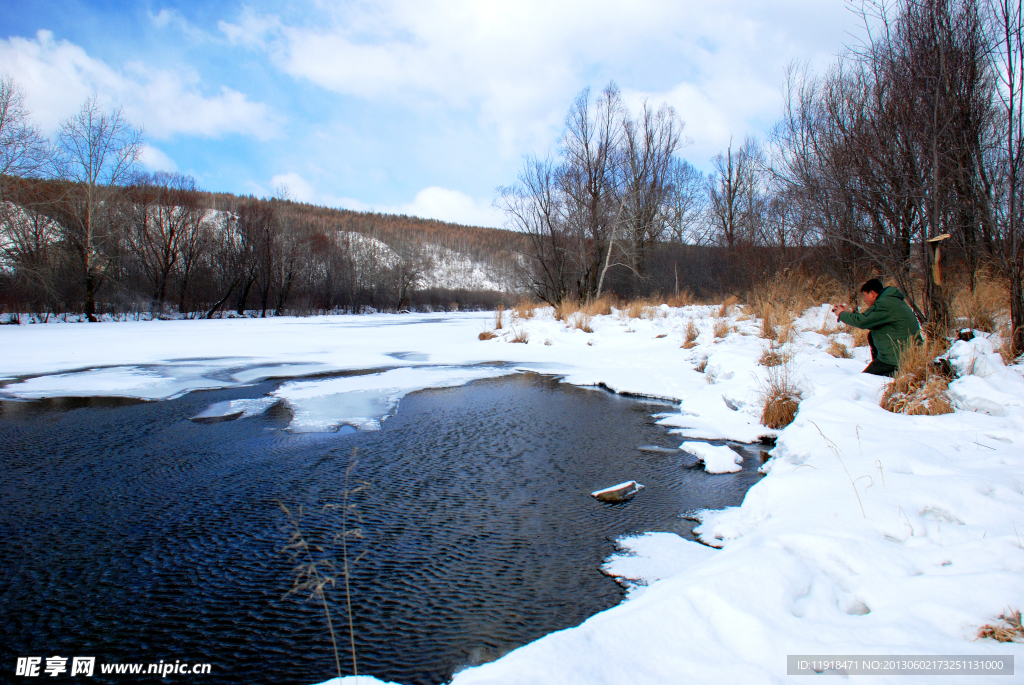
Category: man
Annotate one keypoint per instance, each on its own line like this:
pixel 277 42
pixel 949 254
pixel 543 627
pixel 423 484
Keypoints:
pixel 891 323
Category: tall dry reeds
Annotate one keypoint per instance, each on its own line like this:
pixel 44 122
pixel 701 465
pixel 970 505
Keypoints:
pixel 985 307
pixel 692 332
pixel 498 316
pixel 524 309
pixel 918 388
pixel 780 396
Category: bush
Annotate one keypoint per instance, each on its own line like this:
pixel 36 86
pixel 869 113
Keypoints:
pixel 918 388
pixel 780 397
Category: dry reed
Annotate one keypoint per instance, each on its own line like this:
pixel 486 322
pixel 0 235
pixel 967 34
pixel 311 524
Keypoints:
pixel 1009 629
pixel 691 335
pixel 487 335
pixel 985 306
pixel 780 398
pixel 498 316
pixel 721 328
pixel 918 388
pixel 519 336
pixel 839 350
pixel 525 309
pixel 580 321
pixel 723 311
pixel 774 355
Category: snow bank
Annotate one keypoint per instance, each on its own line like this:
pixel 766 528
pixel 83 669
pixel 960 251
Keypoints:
pixel 872 532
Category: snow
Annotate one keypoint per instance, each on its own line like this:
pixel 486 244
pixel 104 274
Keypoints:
pixel 716 458
pixel 650 557
pixel 620 486
pixel 871 532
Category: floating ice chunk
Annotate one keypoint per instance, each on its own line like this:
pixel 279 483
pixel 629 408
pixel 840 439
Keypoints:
pixel 716 458
pixel 234 409
pixel 618 493
pixel 366 400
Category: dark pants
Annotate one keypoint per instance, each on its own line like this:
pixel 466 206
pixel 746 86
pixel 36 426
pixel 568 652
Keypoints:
pixel 880 368
pixel 876 367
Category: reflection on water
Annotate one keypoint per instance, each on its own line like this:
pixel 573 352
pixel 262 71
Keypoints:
pixel 130 533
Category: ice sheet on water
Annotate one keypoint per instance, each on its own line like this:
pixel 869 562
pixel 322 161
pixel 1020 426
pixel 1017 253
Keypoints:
pixel 366 400
pixel 237 408
pixel 150 383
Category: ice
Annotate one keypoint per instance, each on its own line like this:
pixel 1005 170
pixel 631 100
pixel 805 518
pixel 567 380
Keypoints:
pixel 234 409
pixel 365 400
pixel 120 381
pixel 716 458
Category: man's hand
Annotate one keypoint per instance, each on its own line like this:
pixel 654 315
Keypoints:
pixel 838 309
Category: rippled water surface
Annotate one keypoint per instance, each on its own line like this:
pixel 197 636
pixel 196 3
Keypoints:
pixel 129 533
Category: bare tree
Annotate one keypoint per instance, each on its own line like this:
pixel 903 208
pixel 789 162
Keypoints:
pixel 96 152
pixel 24 150
pixel 1008 57
pixel 163 215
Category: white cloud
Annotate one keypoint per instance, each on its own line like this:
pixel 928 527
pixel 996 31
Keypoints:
pixel 434 202
pixel 517 63
pixel 59 76
pixel 450 205
pixel 156 160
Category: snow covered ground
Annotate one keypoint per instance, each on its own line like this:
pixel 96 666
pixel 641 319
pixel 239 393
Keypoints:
pixel 872 533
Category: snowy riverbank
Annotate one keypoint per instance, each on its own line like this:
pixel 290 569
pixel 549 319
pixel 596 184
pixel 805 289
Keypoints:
pixel 873 533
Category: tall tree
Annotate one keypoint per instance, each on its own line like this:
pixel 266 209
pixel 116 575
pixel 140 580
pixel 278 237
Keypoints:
pixel 96 152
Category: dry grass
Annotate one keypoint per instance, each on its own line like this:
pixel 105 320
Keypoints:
pixel 780 398
pixel 487 335
pixel 1009 629
pixel 721 328
pixel 985 307
pixel 774 355
pixel 839 350
pixel 702 365
pixel 828 327
pixel 860 336
pixel 564 309
pixel 580 321
pixel 599 307
pixel 723 311
pixel 683 299
pixel 919 388
pixel 691 335
pixel 1005 348
pixel 778 301
pixel 525 309
pixel 519 336
pixel 498 316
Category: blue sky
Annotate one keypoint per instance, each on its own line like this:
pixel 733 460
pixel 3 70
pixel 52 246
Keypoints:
pixel 413 106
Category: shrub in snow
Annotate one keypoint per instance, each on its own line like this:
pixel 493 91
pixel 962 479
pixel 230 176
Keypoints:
pixel 919 388
pixel 779 396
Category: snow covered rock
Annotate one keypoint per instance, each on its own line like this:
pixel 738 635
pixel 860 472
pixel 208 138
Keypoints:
pixel 618 493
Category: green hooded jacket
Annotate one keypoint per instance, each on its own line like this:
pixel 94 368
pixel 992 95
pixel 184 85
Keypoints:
pixel 891 322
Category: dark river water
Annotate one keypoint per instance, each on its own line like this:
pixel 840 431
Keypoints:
pixel 129 533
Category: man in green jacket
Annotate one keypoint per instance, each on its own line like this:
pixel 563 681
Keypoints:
pixel 891 323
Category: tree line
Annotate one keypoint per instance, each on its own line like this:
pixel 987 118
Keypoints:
pixel 903 159
pixel 83 229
